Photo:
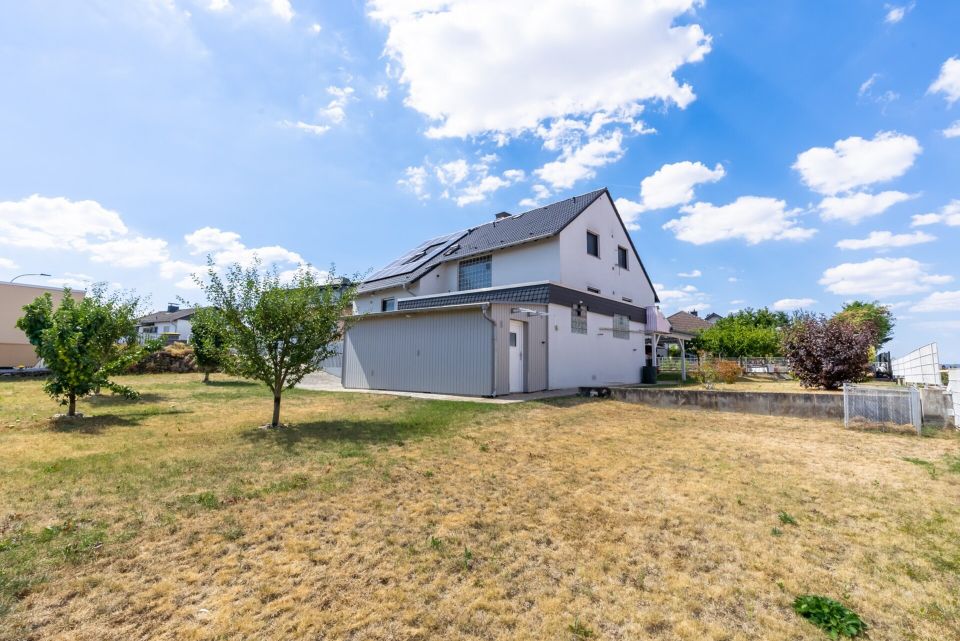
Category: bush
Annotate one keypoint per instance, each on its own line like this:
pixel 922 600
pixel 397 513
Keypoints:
pixel 833 617
pixel 827 353
pixel 728 371
pixel 177 358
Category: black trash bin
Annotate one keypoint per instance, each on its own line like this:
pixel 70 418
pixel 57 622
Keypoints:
pixel 648 375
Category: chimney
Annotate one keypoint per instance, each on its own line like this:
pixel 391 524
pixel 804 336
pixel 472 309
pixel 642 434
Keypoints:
pixel 695 313
pixel 172 308
pixel 502 215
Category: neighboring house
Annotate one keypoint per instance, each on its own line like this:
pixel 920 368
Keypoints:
pixel 173 325
pixel 556 297
pixel 686 325
pixel 15 349
pixel 712 317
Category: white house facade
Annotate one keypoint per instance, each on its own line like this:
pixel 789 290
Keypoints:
pixel 173 325
pixel 556 297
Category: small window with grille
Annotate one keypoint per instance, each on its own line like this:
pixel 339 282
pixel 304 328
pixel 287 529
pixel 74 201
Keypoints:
pixel 621 326
pixel 578 319
pixel 474 273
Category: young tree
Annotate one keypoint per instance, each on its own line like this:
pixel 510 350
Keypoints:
pixel 876 315
pixel 749 332
pixel 208 337
pixel 827 352
pixel 280 332
pixel 83 343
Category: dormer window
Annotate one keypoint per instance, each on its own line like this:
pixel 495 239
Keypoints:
pixel 593 244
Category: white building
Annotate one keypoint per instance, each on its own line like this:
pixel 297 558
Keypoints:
pixel 173 325
pixel 556 297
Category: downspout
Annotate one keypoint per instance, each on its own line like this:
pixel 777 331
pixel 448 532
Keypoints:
pixel 493 349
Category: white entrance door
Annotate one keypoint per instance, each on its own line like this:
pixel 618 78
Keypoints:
pixel 516 356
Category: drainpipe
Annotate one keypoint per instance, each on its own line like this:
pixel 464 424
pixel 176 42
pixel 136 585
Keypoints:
pixel 493 349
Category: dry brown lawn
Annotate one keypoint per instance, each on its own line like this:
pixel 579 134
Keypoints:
pixel 376 517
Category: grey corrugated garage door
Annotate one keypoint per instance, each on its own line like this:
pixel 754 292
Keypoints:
pixel 442 351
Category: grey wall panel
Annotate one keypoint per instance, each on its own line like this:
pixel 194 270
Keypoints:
pixel 535 349
pixel 444 352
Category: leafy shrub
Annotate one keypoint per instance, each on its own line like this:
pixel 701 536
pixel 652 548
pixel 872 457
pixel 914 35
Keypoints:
pixel 579 630
pixel 827 353
pixel 707 371
pixel 786 519
pixel 728 371
pixel 832 616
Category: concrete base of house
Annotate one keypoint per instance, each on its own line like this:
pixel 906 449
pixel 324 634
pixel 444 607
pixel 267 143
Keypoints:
pixel 796 404
pixel 324 382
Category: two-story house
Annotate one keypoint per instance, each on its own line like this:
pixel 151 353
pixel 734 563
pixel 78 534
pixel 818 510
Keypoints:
pixel 556 297
pixel 172 326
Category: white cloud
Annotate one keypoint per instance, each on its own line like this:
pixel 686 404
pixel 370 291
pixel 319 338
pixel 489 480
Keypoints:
pixel 316 130
pixel 208 240
pixel 696 273
pixel 856 162
pixel 415 179
pixel 896 13
pixel 948 82
pixel 790 304
pixel 737 301
pixel 855 207
pixel 885 240
pixel 939 302
pixel 335 111
pixel 867 85
pixel 670 186
pixel 540 193
pixel 505 66
pixel 135 251
pixel 72 280
pixel 949 215
pixel 382 91
pixel 316 28
pixel 733 279
pixel 866 92
pixel 219 5
pixel 687 297
pixel 752 218
pixel 6 263
pixel 629 211
pixel 953 131
pixel 881 277
pixel 581 162
pixel 281 9
pixel 39 222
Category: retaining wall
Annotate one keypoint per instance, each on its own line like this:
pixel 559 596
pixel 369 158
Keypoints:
pixel 795 404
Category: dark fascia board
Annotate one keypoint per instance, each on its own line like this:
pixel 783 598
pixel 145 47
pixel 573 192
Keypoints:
pixel 535 294
pixel 419 310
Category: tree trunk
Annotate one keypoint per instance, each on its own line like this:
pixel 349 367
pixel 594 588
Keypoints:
pixel 276 412
pixel 72 407
pixel 206 376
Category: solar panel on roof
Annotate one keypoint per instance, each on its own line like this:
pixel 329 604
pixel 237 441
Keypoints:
pixel 416 256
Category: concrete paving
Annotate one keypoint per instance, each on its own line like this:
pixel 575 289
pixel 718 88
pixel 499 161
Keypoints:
pixel 324 382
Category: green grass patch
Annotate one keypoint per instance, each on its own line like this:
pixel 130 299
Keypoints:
pixel 834 618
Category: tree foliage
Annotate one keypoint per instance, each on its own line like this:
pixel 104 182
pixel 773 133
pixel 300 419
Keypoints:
pixel 208 337
pixel 828 352
pixel 878 316
pixel 749 332
pixel 83 343
pixel 279 332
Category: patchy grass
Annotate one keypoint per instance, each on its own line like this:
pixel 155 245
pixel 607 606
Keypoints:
pixel 374 517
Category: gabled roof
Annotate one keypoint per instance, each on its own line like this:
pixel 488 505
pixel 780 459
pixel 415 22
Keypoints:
pixel 687 323
pixel 529 226
pixel 167 317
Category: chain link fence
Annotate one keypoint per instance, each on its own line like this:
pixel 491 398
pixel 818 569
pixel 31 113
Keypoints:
pixel 868 405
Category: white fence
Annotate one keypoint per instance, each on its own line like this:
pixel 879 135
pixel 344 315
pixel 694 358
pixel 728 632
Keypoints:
pixel 954 389
pixel 871 405
pixel 921 366
pixel 750 365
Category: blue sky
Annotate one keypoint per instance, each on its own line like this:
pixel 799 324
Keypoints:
pixel 788 153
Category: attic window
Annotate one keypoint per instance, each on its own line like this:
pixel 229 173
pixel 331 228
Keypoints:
pixel 474 273
pixel 593 244
pixel 452 250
